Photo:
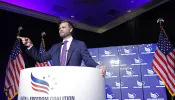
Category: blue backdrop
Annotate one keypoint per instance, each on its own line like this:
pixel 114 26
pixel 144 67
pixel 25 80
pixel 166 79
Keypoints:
pixel 130 75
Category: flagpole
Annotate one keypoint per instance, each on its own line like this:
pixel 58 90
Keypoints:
pixel 160 20
pixel 42 39
pixel 7 91
pixel 19 31
pixel 171 97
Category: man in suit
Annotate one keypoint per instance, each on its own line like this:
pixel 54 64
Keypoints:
pixel 70 52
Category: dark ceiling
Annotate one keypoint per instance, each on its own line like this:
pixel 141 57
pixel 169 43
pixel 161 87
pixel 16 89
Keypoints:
pixel 92 15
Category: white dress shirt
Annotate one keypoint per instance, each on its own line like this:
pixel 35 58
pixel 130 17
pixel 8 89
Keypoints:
pixel 68 46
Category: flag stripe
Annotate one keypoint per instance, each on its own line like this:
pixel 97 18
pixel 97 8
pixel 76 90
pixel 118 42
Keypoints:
pixel 9 80
pixel 170 62
pixel 170 66
pixel 172 57
pixel 16 71
pixel 161 65
pixel 21 61
pixel 163 77
pixel 163 74
pixel 16 81
pixel 170 70
pixel 173 52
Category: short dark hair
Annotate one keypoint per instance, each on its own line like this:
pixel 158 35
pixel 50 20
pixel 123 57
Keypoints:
pixel 66 21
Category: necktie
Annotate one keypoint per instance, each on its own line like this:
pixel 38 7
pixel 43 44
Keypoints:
pixel 63 54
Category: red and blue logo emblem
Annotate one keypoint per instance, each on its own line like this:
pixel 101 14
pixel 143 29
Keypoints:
pixel 39 85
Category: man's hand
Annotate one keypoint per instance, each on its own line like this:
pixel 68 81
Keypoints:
pixel 26 41
pixel 103 69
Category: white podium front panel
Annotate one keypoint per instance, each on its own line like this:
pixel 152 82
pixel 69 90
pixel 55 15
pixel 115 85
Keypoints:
pixel 61 83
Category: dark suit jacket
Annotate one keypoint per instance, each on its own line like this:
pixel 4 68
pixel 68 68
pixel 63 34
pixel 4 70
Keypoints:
pixel 76 53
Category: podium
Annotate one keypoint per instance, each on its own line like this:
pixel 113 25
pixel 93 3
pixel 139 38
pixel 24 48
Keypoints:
pixel 61 83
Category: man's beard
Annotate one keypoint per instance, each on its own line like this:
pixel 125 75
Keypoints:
pixel 65 35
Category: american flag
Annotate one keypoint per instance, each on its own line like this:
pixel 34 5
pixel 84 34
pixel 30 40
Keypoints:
pixel 164 61
pixel 42 50
pixel 15 64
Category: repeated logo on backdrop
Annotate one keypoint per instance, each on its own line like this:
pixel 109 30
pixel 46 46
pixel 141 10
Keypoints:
pixel 129 73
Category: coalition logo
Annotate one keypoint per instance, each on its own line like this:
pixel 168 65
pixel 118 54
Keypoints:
pixel 150 72
pixel 161 84
pixel 129 73
pixel 147 49
pixel 138 61
pixel 115 62
pixel 107 53
pixel 110 75
pixel 41 85
pixel 141 84
pixel 155 96
pixel 127 52
pixel 110 96
pixel 119 85
pixel 131 96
